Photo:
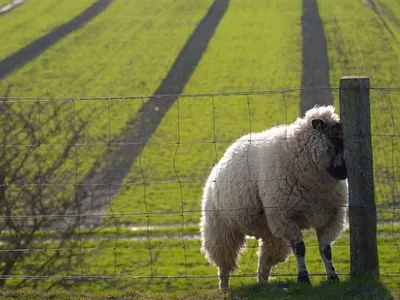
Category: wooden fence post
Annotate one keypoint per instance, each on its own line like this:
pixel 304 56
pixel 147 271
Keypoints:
pixel 356 123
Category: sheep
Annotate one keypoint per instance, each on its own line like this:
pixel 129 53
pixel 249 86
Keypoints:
pixel 271 185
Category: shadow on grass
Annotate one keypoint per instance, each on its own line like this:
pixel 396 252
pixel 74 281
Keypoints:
pixel 363 289
pixel 346 289
pixel 31 51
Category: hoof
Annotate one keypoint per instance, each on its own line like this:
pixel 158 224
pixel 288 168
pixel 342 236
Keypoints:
pixel 224 288
pixel 333 277
pixel 303 277
pixel 263 277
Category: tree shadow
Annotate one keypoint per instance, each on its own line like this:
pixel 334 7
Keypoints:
pixel 314 59
pixel 139 130
pixel 31 51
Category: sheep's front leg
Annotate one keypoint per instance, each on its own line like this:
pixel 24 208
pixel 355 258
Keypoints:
pixel 299 250
pixel 326 254
pixel 326 235
pixel 283 227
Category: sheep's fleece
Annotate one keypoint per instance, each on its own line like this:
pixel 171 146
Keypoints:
pixel 271 185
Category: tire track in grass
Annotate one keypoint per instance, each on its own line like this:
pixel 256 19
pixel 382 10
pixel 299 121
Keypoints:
pixel 140 129
pixel 371 4
pixel 31 51
pixel 10 6
pixel 314 59
pixel 387 12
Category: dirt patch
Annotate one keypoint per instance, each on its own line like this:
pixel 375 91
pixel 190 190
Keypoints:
pixel 314 59
pixel 140 130
pixel 10 6
pixel 37 47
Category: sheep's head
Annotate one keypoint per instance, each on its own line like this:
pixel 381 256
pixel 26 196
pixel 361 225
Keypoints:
pixel 333 156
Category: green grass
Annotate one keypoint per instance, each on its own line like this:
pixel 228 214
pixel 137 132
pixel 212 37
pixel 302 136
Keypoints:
pixel 126 50
pixel 173 232
pixel 246 53
pixel 370 50
pixel 4 2
pixel 22 25
pixel 118 59
pixel 113 233
pixel 185 151
pixel 169 258
pixel 359 289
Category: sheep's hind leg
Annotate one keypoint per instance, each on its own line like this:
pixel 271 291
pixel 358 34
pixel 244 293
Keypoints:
pixel 224 274
pixel 222 246
pixel 271 251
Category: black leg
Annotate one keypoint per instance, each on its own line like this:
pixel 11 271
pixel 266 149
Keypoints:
pixel 299 250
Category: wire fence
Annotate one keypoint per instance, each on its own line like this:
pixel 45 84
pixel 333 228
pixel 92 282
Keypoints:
pixel 109 188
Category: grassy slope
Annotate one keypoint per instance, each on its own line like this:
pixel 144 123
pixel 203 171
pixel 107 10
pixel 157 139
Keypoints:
pixel 370 50
pixel 170 258
pixel 22 26
pixel 128 49
pixel 246 53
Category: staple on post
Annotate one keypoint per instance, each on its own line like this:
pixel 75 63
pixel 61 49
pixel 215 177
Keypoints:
pixel 356 121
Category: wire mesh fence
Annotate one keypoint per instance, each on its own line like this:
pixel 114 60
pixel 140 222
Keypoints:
pixel 109 189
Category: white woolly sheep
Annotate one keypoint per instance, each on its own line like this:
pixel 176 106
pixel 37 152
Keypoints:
pixel 271 185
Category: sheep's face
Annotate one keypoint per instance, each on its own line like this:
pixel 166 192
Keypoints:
pixel 333 156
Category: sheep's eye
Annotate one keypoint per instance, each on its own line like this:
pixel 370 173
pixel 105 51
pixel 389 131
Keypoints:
pixel 332 148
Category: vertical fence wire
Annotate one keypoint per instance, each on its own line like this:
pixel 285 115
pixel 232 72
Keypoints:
pixel 214 141
pixel 393 170
pixel 250 181
pixel 180 186
pixel 109 184
pixel 39 142
pixel 149 246
pixel 77 202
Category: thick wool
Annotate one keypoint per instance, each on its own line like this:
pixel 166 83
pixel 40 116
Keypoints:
pixel 271 185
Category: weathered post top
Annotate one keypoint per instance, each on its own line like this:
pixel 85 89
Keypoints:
pixel 355 77
pixel 354 82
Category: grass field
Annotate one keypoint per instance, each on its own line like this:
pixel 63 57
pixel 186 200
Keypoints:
pixel 370 50
pixel 25 26
pixel 137 260
pixel 4 2
pixel 364 289
pixel 257 66
pixel 189 142
pixel 95 61
pixel 128 50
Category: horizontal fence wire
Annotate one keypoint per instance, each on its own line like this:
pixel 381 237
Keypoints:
pixel 150 202
pixel 198 95
pixel 394 210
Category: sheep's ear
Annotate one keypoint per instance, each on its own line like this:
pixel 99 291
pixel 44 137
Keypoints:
pixel 318 124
